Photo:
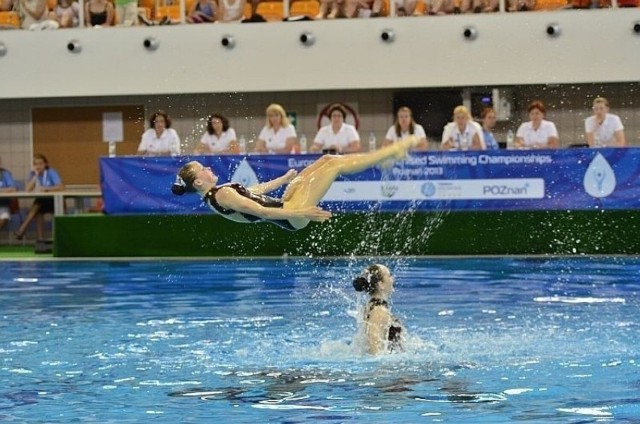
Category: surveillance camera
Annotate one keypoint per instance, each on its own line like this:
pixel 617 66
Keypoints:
pixel 636 27
pixel 388 35
pixel 74 46
pixel 553 30
pixel 307 38
pixel 228 41
pixel 470 33
pixel 151 43
pixel 3 49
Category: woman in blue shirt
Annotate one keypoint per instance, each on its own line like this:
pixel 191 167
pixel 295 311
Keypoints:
pixel 43 179
pixel 7 185
pixel 488 117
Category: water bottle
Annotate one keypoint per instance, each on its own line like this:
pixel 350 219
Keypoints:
pixel 372 142
pixel 303 144
pixel 112 149
pixel 242 144
pixel 510 140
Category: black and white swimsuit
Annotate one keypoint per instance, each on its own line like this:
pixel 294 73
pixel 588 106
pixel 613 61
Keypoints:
pixel 261 199
pixel 394 335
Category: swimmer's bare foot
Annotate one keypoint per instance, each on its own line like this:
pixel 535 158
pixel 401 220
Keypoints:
pixel 405 145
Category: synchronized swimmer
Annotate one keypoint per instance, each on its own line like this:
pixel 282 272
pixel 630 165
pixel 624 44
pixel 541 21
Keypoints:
pixel 299 204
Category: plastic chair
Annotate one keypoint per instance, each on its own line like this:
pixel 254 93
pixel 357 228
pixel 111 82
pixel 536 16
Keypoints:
pixel 309 8
pixel 550 4
pixel 171 12
pixel 9 20
pixel 271 11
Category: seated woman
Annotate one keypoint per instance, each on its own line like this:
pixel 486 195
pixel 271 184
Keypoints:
pixel 604 129
pixel 405 126
pixel 538 133
pixel 7 185
pixel 220 138
pixel 463 133
pixel 338 136
pixel 298 205
pixel 383 330
pixel 42 178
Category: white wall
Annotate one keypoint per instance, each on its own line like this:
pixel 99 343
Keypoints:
pixel 596 54
pixel 595 45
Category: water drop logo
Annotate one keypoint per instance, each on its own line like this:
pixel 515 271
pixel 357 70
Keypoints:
pixel 599 180
pixel 244 174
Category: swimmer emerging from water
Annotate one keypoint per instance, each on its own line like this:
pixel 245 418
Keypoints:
pixel 383 330
pixel 298 205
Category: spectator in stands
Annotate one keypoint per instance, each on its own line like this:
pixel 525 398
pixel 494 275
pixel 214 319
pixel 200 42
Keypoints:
pixel 488 117
pixel 443 7
pixel 349 8
pixel 232 10
pixel 42 178
pixel 7 185
pixel 98 13
pixel 538 133
pixel 463 133
pixel 126 12
pixel 160 139
pixel 34 14
pixel 405 126
pixel 338 136
pixel 6 5
pixel 202 11
pixel 220 139
pixel 520 5
pixel 66 13
pixel 278 135
pixel 480 6
pixel 604 129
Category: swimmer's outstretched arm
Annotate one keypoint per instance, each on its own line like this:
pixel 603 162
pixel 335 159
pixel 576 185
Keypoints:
pixel 230 199
pixel 269 186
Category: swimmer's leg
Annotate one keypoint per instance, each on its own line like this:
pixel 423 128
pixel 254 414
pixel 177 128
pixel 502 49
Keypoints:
pixel 308 188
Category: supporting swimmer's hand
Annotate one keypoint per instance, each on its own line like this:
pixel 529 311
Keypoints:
pixel 314 213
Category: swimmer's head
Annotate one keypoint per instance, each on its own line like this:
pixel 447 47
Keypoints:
pixel 374 278
pixel 190 177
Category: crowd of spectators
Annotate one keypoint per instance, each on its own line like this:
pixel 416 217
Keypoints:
pixel 54 14
pixel 279 136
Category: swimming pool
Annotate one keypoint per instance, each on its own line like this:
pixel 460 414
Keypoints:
pixel 495 340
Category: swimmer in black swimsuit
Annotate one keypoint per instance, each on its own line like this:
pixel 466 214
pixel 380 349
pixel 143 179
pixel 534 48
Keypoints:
pixel 384 331
pixel 298 205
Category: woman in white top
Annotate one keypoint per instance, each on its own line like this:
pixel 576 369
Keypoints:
pixel 463 133
pixel 404 127
pixel 160 139
pixel 230 10
pixel 604 129
pixel 220 139
pixel 338 136
pixel 278 136
pixel 537 133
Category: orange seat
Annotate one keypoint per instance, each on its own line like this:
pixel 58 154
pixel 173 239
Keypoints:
pixel 309 8
pixel 550 4
pixel 172 12
pixel 271 11
pixel 421 7
pixel 9 20
pixel 247 10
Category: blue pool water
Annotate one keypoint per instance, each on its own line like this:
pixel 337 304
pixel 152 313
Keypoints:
pixel 535 340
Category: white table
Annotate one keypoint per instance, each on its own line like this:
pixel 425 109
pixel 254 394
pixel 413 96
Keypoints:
pixel 58 197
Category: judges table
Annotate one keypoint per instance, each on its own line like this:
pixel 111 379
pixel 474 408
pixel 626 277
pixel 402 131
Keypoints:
pixel 58 197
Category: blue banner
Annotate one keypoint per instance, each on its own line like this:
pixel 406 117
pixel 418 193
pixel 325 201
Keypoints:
pixel 571 179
